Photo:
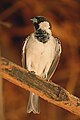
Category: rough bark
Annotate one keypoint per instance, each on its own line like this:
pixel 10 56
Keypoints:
pixel 49 91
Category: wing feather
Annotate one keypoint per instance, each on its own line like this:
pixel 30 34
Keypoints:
pixel 24 53
pixel 55 60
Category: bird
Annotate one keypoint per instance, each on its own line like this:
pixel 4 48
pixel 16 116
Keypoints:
pixel 40 54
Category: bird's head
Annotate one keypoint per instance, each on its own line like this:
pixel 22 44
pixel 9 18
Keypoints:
pixel 40 22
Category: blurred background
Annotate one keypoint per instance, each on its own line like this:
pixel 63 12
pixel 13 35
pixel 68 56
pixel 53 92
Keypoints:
pixel 15 25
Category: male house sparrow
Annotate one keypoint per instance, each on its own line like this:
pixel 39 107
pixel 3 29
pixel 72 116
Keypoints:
pixel 41 53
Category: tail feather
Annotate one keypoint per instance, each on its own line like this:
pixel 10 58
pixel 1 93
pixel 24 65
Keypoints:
pixel 33 104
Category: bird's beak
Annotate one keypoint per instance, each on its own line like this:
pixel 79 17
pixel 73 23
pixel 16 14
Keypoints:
pixel 34 20
pixel 31 19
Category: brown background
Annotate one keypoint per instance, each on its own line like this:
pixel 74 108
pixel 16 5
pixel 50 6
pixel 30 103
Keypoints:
pixel 15 26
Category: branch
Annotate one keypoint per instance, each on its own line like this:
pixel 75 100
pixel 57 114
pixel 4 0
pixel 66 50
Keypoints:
pixel 2 115
pixel 49 91
pixel 6 13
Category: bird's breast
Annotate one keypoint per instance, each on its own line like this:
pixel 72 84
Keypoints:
pixel 38 55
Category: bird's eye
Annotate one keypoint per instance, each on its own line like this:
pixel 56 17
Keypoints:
pixel 36 26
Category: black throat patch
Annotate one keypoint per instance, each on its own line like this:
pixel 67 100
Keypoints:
pixel 42 35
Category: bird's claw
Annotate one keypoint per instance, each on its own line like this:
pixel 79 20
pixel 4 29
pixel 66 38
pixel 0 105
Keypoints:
pixel 32 72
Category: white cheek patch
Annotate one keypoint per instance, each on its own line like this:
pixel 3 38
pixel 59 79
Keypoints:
pixel 44 25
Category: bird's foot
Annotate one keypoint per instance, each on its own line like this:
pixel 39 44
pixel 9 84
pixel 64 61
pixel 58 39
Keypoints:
pixel 32 72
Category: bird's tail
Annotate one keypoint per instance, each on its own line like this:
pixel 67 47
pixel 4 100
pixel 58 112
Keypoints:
pixel 33 104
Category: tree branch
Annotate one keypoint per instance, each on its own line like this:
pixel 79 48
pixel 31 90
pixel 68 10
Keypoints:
pixel 2 115
pixel 6 13
pixel 49 91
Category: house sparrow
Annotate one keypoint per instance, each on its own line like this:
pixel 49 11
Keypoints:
pixel 41 54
